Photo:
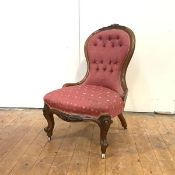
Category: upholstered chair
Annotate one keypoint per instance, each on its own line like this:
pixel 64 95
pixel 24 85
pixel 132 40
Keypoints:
pixel 101 94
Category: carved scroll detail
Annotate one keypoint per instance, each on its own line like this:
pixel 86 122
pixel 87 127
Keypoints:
pixel 104 124
pixel 50 120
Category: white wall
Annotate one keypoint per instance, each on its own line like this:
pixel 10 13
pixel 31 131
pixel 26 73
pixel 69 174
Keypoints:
pixel 38 49
pixel 151 73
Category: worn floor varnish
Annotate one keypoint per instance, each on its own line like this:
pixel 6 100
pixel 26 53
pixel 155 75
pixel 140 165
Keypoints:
pixel 147 147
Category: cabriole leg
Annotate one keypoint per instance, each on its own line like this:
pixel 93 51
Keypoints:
pixel 122 120
pixel 50 120
pixel 104 124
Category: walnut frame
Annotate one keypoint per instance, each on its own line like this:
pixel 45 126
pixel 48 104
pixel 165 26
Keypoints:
pixel 104 121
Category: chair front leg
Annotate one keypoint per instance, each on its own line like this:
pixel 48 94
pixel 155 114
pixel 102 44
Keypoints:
pixel 50 120
pixel 122 120
pixel 104 124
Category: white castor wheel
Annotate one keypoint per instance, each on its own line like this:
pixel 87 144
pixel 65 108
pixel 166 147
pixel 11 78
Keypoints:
pixel 49 139
pixel 103 156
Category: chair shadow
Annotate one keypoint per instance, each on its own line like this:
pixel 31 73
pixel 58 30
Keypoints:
pixel 76 133
pixel 81 71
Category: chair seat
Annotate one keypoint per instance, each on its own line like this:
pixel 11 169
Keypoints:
pixel 88 100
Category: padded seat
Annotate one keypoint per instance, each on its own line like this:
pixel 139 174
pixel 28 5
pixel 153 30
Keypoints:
pixel 85 100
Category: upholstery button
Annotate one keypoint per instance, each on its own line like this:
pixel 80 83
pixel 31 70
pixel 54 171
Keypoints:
pixel 112 44
pixel 94 61
pixel 109 38
pixel 120 43
pixel 117 37
pixel 95 44
pixel 104 68
pixel 116 62
pixel 110 62
pixel 104 45
pixel 97 69
pixel 111 70
pixel 100 38
pixel 101 61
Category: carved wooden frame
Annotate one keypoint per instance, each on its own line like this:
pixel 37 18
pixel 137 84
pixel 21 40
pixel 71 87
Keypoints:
pixel 104 121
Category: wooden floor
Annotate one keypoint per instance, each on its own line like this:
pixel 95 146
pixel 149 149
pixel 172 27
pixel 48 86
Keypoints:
pixel 147 147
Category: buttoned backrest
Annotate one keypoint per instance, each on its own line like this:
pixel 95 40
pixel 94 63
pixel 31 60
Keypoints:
pixel 107 51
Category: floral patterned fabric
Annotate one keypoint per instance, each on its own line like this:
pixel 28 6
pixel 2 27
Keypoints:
pixel 88 100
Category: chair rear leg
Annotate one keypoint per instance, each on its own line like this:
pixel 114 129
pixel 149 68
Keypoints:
pixel 50 120
pixel 104 124
pixel 122 120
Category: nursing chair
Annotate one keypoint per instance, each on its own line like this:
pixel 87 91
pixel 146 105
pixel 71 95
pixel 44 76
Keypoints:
pixel 101 94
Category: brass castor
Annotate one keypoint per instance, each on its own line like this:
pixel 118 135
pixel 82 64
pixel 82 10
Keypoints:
pixel 49 139
pixel 103 156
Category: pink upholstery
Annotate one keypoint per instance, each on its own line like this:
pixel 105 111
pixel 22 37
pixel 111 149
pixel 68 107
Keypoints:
pixel 89 100
pixel 107 52
pixel 102 91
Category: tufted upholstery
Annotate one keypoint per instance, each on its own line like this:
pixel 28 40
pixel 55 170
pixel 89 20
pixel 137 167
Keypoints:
pixel 85 99
pixel 107 51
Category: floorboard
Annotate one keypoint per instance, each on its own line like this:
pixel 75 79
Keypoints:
pixel 147 147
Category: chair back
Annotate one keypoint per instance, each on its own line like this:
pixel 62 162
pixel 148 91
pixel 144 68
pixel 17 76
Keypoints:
pixel 108 52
